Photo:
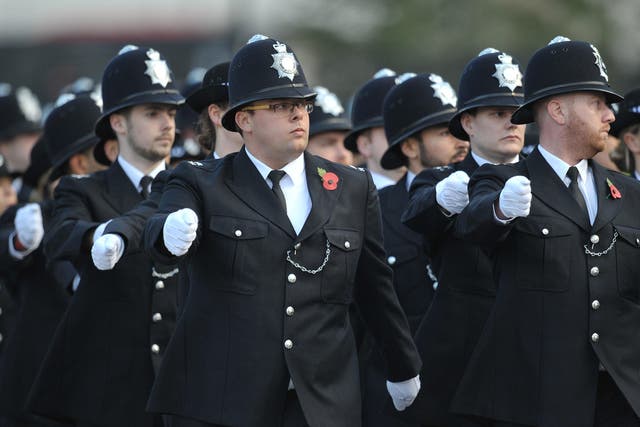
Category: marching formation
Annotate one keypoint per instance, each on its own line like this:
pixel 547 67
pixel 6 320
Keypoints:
pixel 246 252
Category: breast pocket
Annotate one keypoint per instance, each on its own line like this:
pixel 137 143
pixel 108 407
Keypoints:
pixel 237 245
pixel 544 255
pixel 339 272
pixel 628 262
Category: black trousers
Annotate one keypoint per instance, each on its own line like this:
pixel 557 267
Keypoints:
pixel 293 416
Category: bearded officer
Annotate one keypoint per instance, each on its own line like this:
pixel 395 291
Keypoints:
pixel 100 366
pixel 560 345
pixel 416 113
pixel 279 243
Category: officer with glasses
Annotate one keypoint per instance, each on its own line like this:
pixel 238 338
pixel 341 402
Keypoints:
pixel 277 244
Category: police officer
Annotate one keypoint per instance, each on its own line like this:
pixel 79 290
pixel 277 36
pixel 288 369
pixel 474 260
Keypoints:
pixel 20 128
pixel 42 290
pixel 416 113
pixel 211 101
pixel 283 233
pixel 328 127
pixel 627 129
pixel 100 366
pixel 559 347
pixel 367 136
pixel 490 89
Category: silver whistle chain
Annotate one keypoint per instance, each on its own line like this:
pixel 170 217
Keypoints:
pixel 606 251
pixel 307 270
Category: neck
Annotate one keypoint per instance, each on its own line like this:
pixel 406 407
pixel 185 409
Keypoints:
pixel 143 165
pixel 226 146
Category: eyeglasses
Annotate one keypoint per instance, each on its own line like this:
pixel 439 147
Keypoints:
pixel 282 108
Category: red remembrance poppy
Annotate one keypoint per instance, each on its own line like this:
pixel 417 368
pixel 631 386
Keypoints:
pixel 330 181
pixel 615 193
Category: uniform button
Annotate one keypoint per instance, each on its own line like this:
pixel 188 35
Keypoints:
pixel 238 233
pixel 435 285
pixel 595 337
pixel 297 246
pixel 595 304
pixel 155 349
pixel 292 278
pixel 594 271
pixel 288 344
pixel 347 244
pixel 156 317
pixel 391 260
pixel 545 231
pixel 0 311
pixel 1 337
pixel 637 241
pixel 159 284
pixel 290 311
pixel 594 239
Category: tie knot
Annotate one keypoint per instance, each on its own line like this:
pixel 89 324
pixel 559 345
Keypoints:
pixel 573 173
pixel 276 175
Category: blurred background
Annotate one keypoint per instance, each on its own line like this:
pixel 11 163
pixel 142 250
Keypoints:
pixel 47 44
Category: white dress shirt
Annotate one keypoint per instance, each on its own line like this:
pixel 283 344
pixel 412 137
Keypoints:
pixel 410 177
pixel 294 187
pixel 586 182
pixel 381 181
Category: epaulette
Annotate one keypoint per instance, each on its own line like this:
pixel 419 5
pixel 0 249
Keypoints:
pixel 442 168
pixel 196 163
pixel 357 168
pixel 79 176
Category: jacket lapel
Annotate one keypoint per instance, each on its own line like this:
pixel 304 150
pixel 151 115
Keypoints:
pixel 248 185
pixel 322 200
pixel 396 201
pixel 608 207
pixel 547 187
pixel 119 191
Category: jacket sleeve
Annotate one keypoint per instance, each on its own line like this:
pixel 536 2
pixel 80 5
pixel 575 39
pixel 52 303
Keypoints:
pixel 179 192
pixel 377 300
pixel 477 222
pixel 130 225
pixel 423 214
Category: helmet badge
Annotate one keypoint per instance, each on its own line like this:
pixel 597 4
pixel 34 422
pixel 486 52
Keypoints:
pixel 157 69
pixel 443 90
pixel 284 62
pixel 600 63
pixel 507 73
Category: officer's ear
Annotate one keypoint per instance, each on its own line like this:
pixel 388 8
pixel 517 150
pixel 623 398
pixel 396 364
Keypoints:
pixel 215 114
pixel 118 123
pixel 363 142
pixel 409 148
pixel 244 121
pixel 556 108
pixel 466 121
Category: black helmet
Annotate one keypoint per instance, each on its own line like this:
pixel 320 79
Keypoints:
pixel 19 111
pixel 491 79
pixel 69 130
pixel 416 102
pixel 39 163
pixel 366 110
pixel 264 68
pixel 137 75
pixel 628 113
pixel 563 66
pixel 328 115
pixel 213 89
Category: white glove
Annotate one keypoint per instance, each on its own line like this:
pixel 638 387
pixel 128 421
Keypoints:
pixel 515 197
pixel 29 228
pixel 179 231
pixel 99 230
pixel 404 392
pixel 452 194
pixel 107 251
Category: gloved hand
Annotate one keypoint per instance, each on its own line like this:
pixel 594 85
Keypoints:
pixel 452 194
pixel 99 230
pixel 515 197
pixel 179 231
pixel 107 251
pixel 29 228
pixel 404 393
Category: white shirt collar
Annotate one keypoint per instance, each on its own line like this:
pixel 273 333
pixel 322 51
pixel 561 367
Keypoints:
pixel 637 174
pixel 136 175
pixel 216 155
pixel 481 160
pixel 381 181
pixel 294 169
pixel 560 167
pixel 410 177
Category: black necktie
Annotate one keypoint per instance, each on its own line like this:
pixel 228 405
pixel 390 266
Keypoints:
pixel 573 173
pixel 145 181
pixel 275 176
